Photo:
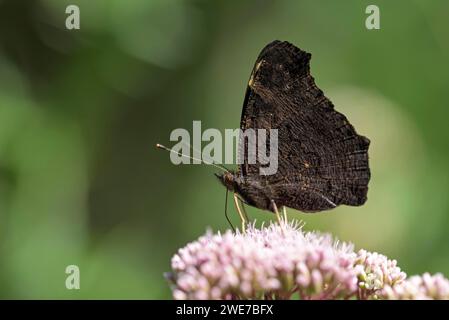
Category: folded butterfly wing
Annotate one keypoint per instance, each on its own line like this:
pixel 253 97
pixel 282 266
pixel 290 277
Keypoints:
pixel 322 161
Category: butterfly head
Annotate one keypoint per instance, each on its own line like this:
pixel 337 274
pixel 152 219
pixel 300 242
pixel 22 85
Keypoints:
pixel 228 179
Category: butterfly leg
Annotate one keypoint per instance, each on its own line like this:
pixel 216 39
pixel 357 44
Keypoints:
pixel 284 211
pixel 278 216
pixel 242 217
pixel 226 211
pixel 244 210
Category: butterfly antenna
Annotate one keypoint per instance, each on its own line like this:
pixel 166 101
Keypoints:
pixel 208 159
pixel 160 146
pixel 226 211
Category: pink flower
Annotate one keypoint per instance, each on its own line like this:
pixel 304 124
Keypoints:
pixel 264 263
pixel 423 287
pixel 283 263
pixel 376 271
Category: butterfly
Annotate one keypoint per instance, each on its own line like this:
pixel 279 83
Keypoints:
pixel 322 161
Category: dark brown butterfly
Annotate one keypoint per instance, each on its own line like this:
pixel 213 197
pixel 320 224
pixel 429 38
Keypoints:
pixel 322 161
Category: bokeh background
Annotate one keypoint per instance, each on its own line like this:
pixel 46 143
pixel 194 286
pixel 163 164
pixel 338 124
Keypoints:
pixel 80 112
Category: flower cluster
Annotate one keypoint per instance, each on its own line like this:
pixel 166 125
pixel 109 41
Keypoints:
pixel 284 262
pixel 375 271
pixel 419 288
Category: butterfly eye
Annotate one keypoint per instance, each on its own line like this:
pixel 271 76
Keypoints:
pixel 228 178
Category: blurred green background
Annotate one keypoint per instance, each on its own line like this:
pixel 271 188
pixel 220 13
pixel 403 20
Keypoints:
pixel 80 111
